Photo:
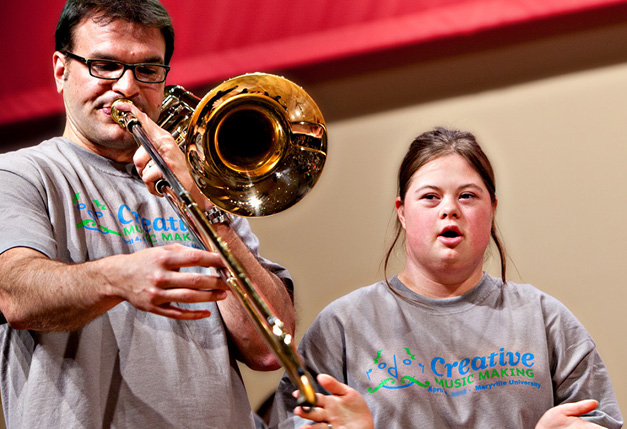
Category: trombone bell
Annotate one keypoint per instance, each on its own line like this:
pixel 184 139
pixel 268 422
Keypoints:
pixel 255 145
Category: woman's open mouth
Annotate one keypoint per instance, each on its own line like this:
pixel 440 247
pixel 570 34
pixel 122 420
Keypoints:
pixel 450 236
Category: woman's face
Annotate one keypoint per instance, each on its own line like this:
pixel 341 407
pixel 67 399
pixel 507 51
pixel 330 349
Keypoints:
pixel 447 216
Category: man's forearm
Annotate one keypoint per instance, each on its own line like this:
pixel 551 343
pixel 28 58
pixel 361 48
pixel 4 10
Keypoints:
pixel 41 294
pixel 252 348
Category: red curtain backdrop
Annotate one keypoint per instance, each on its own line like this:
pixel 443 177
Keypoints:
pixel 223 38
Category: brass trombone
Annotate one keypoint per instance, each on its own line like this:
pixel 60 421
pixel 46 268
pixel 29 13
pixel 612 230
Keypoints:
pixel 255 145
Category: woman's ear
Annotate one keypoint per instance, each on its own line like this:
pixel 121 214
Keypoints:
pixel 400 210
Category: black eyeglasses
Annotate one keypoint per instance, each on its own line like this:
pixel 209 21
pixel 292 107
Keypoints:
pixel 112 70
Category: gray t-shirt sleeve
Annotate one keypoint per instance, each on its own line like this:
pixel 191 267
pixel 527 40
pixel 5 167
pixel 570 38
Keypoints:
pixel 23 208
pixel 578 369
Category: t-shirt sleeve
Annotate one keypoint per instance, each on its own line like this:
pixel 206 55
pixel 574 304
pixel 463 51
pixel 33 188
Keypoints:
pixel 579 372
pixel 24 218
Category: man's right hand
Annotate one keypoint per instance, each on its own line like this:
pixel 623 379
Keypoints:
pixel 151 281
pixel 41 294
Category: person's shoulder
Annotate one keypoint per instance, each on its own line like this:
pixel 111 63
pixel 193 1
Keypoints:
pixel 349 309
pixel 532 295
pixel 363 292
pixel 558 318
pixel 32 156
pixel 522 289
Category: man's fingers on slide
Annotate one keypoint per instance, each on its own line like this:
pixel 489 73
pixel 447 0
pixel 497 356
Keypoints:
pixel 189 295
pixel 187 257
pixel 190 283
pixel 174 312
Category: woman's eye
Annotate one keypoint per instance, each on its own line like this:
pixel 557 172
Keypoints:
pixel 429 197
pixel 466 195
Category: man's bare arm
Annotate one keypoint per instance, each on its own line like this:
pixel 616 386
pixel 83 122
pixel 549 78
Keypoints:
pixel 41 294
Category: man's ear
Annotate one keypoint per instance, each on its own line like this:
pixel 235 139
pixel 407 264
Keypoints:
pixel 59 68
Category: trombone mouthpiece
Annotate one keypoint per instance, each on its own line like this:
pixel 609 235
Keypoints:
pixel 117 115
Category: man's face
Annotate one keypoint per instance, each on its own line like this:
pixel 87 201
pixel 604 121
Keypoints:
pixel 88 99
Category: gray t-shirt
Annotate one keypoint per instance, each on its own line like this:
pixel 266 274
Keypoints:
pixel 497 356
pixel 126 368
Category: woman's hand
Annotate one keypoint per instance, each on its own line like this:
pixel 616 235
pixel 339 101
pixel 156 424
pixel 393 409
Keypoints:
pixel 345 408
pixel 567 416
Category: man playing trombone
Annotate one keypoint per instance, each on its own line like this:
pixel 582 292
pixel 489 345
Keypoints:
pixel 112 318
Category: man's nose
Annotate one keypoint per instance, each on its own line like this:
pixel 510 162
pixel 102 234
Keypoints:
pixel 127 85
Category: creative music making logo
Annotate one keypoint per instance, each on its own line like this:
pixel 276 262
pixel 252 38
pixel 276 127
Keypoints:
pixel 407 377
pixel 94 213
pixel 129 225
pixel 479 373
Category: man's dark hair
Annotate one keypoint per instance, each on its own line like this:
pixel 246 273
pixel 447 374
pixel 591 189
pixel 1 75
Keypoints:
pixel 148 13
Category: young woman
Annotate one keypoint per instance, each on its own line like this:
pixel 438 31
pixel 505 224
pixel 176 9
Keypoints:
pixel 442 344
